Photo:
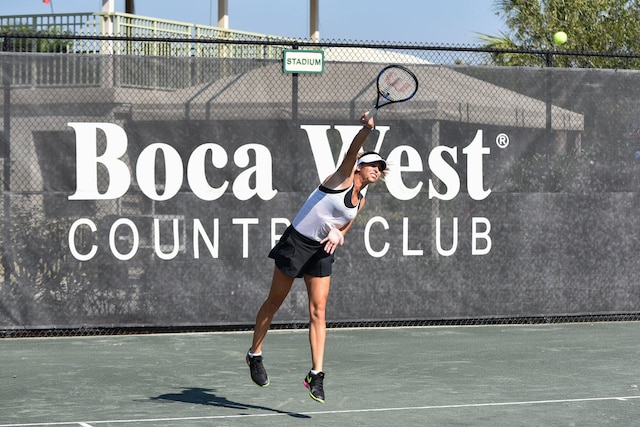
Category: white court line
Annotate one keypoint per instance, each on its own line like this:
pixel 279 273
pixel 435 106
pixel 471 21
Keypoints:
pixel 343 411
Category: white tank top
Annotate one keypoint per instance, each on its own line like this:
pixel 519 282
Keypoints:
pixel 325 209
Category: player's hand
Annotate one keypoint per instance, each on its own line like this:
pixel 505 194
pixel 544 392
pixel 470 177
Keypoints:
pixel 368 123
pixel 333 239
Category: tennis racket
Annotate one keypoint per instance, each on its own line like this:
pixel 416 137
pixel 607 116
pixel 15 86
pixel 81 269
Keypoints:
pixel 395 84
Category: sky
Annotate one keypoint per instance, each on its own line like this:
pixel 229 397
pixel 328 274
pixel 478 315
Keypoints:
pixel 441 22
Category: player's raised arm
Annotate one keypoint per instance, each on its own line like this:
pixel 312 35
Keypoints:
pixel 343 176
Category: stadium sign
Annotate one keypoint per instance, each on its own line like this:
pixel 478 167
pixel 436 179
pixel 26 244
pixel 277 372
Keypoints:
pixel 303 61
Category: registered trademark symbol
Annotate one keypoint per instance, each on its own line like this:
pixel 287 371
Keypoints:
pixel 502 140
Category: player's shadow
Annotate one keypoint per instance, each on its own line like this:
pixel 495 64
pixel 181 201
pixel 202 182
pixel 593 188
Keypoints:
pixel 206 396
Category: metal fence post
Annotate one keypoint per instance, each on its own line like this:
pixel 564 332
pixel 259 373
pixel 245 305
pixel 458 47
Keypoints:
pixel 7 73
pixel 294 96
pixel 547 84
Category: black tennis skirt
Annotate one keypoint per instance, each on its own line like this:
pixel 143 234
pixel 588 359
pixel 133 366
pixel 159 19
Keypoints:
pixel 296 255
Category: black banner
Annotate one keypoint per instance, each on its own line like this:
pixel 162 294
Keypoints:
pixel 129 202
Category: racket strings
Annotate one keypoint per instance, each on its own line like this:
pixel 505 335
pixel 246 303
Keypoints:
pixel 397 85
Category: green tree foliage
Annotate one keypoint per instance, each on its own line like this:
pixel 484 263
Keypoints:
pixel 51 43
pixel 600 26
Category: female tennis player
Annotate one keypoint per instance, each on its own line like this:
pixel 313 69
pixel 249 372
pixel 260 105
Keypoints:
pixel 306 249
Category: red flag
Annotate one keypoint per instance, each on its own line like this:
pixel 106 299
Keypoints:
pixel 46 1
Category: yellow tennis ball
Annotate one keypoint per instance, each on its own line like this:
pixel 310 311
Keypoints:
pixel 560 37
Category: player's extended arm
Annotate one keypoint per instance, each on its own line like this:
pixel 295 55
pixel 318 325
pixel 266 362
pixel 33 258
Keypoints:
pixel 343 176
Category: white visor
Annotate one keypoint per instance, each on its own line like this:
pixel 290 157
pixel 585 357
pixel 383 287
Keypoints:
pixel 372 158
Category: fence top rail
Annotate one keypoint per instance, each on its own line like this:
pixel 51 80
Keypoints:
pixel 306 43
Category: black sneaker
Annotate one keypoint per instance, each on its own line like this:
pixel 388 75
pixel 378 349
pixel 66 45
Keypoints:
pixel 315 386
pixel 258 374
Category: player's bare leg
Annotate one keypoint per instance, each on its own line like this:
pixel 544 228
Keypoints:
pixel 318 291
pixel 280 287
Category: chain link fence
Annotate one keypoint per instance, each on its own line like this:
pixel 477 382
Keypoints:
pixel 142 191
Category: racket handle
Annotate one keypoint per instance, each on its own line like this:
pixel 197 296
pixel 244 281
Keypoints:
pixel 371 113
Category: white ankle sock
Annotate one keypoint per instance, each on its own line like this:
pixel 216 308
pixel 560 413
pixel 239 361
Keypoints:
pixel 254 354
